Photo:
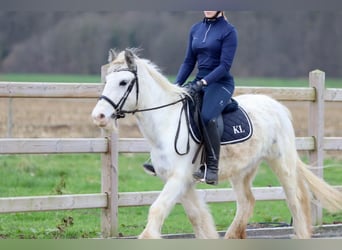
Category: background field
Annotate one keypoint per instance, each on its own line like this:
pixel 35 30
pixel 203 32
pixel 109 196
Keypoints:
pixel 24 175
pixel 71 117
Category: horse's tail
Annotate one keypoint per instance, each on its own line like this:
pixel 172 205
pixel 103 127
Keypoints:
pixel 330 198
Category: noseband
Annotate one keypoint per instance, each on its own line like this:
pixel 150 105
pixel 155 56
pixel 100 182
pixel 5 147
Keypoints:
pixel 119 112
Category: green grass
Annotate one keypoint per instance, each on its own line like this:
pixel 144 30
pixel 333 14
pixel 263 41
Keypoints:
pixel 27 175
pixel 276 82
pixel 50 78
pixel 285 82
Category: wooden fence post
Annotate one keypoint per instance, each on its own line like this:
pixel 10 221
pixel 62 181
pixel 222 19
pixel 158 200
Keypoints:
pixel 109 219
pixel 316 130
pixel 9 117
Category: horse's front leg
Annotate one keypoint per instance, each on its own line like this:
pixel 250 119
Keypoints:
pixel 199 215
pixel 173 189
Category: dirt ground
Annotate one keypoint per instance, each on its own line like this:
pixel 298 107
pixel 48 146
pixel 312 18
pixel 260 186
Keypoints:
pixel 46 118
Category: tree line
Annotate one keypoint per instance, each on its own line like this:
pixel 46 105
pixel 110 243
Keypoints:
pixel 271 44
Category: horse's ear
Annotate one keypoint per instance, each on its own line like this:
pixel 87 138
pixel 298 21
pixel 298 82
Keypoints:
pixel 130 59
pixel 111 55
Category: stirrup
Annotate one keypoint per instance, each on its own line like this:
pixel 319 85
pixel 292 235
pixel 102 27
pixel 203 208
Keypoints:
pixel 203 170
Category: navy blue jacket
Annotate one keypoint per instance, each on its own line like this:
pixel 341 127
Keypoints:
pixel 212 45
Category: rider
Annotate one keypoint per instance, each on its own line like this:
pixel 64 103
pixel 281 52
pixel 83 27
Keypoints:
pixel 212 45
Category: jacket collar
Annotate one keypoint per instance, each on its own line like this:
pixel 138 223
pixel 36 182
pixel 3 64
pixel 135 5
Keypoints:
pixel 212 20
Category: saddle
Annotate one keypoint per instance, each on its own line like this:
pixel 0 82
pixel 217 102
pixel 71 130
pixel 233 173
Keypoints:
pixel 234 123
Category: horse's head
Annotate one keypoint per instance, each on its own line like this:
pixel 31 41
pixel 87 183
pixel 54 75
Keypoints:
pixel 120 90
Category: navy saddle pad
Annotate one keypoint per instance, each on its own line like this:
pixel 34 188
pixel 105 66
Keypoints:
pixel 235 126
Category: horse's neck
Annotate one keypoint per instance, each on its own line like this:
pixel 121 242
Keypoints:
pixel 157 124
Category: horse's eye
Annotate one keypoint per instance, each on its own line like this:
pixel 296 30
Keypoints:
pixel 123 83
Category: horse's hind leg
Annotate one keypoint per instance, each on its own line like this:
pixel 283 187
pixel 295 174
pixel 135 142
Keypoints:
pixel 199 215
pixel 297 195
pixel 244 205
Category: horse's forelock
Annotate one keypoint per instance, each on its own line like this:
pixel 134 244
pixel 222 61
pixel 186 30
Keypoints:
pixel 120 62
pixel 117 63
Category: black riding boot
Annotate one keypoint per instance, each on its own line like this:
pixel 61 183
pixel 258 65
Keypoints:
pixel 212 147
pixel 148 167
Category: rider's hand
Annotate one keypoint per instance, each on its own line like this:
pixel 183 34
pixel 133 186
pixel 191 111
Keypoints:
pixel 196 86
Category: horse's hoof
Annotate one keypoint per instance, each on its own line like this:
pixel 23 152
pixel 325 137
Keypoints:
pixel 147 235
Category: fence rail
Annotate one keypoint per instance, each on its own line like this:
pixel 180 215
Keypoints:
pixel 50 90
pixel 93 90
pixel 53 146
pixel 109 146
pixel 52 202
pixel 80 90
pixel 126 145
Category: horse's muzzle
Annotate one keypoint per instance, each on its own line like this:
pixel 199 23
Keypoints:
pixel 100 120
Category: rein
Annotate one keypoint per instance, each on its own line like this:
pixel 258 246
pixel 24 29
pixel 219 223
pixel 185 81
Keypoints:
pixel 154 108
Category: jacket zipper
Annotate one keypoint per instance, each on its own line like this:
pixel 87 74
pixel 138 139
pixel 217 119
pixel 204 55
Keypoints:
pixel 206 33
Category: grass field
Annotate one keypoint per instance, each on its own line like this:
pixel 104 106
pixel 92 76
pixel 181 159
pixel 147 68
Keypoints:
pixel 291 82
pixel 50 78
pixel 26 175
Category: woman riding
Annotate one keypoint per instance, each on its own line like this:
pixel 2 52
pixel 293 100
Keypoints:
pixel 212 46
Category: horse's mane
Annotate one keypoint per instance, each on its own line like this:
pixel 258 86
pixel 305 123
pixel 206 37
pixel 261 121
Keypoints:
pixel 152 69
pixel 156 74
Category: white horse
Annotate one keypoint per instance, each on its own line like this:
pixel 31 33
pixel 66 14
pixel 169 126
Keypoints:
pixel 135 85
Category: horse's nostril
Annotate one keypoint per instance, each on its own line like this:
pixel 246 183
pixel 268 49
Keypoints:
pixel 101 116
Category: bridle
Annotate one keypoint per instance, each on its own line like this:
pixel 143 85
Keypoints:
pixel 120 113
pixel 118 107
